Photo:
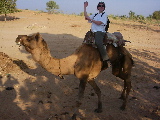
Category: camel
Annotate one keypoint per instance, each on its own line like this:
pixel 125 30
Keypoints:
pixel 85 63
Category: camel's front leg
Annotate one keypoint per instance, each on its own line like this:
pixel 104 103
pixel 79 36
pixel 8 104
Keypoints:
pixel 127 87
pixel 98 92
pixel 123 96
pixel 82 86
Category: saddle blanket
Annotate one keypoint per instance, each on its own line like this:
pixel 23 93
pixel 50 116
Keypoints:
pixel 115 38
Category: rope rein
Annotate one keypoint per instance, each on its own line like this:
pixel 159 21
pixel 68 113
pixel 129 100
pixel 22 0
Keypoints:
pixel 59 68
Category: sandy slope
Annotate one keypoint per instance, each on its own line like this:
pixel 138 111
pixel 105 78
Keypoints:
pixel 39 95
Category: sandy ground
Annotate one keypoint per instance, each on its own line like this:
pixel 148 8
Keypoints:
pixel 28 92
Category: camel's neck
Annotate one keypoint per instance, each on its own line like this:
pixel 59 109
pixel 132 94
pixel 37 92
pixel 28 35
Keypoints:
pixel 55 66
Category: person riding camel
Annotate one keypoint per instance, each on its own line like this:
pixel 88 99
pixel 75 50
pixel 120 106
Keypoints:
pixel 99 21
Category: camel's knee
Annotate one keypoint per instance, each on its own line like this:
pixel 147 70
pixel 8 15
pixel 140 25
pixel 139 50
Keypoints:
pixel 124 75
pixel 95 87
pixel 116 71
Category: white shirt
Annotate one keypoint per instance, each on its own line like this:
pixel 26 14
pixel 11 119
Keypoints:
pixel 103 19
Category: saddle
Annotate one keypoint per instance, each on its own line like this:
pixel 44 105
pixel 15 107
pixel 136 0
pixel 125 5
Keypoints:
pixel 118 42
pixel 115 38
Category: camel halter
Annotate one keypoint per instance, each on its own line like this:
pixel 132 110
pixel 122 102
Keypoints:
pixel 60 75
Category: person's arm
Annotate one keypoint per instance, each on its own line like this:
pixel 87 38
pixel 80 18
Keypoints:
pixel 97 22
pixel 85 11
pixel 87 17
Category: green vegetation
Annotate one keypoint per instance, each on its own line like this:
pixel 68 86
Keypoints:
pixel 156 15
pixel 152 19
pixel 133 17
pixel 51 6
pixel 7 6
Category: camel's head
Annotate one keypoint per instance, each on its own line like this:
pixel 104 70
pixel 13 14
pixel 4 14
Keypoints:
pixel 32 42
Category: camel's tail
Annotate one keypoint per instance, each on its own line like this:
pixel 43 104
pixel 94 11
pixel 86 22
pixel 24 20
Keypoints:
pixel 132 62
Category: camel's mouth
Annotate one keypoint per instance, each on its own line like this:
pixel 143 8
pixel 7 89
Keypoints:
pixel 18 41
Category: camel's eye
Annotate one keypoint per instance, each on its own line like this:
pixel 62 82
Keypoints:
pixel 28 39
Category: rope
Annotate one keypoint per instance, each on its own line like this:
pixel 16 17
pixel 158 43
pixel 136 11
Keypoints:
pixel 61 77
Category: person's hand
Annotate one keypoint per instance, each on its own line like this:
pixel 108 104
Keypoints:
pixel 85 4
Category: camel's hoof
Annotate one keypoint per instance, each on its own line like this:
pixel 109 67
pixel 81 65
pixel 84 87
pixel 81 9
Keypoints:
pixel 98 110
pixel 74 117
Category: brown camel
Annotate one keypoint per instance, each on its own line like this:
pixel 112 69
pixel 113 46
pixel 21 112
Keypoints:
pixel 84 63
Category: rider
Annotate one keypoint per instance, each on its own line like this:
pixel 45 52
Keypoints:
pixel 99 22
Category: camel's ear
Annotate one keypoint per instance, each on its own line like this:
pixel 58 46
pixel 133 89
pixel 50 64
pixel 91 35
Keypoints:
pixel 38 37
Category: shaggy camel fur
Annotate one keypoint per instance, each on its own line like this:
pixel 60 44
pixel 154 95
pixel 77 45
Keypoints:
pixel 83 64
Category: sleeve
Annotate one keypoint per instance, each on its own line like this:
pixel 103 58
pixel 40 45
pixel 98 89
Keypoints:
pixel 91 16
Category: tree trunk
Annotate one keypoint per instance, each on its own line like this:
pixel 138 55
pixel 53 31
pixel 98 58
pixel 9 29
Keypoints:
pixel 5 17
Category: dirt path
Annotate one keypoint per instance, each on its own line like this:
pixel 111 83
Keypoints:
pixel 28 92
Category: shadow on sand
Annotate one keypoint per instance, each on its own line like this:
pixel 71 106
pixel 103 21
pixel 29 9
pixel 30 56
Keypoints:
pixel 9 108
pixel 8 18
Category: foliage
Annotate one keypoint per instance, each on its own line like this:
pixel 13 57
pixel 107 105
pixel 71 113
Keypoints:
pixel 7 6
pixel 137 18
pixel 156 15
pixel 82 14
pixel 149 17
pixel 123 17
pixel 140 17
pixel 131 15
pixel 51 6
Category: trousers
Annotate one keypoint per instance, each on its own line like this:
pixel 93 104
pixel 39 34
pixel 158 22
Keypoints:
pixel 99 36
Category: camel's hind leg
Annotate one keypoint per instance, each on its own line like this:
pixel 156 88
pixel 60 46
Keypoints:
pixel 124 73
pixel 98 92
pixel 125 92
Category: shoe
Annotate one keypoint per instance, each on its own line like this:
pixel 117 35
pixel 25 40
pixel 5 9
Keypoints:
pixel 105 64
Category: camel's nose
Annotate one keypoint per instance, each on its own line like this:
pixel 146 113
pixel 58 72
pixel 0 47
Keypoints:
pixel 18 41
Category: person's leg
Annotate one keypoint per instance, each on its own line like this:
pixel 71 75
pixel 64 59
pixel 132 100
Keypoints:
pixel 99 42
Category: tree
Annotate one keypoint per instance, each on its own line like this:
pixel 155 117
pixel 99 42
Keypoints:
pixel 51 6
pixel 140 17
pixel 82 14
pixel 149 17
pixel 7 6
pixel 156 15
pixel 131 15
